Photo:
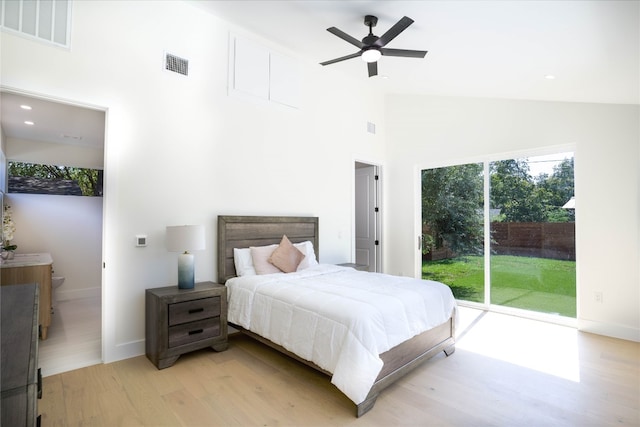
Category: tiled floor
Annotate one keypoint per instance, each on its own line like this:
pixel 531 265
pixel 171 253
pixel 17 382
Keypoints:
pixel 74 338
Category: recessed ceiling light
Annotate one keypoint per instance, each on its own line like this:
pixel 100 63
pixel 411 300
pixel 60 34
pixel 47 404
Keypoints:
pixel 550 77
pixel 29 122
pixel 25 107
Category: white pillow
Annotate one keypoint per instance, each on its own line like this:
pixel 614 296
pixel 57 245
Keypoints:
pixel 260 256
pixel 243 262
pixel 309 255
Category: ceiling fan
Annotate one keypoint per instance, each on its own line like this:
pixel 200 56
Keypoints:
pixel 373 47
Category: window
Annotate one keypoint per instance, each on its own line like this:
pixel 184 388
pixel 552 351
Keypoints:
pixel 44 20
pixel 50 179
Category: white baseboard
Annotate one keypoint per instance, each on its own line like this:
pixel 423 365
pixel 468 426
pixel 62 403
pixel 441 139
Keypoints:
pixel 127 351
pixel 609 330
pixel 71 294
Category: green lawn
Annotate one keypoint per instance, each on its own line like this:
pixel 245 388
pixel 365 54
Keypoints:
pixel 538 284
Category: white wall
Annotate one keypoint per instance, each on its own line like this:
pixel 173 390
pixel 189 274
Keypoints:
pixel 70 229
pixel 179 150
pixel 428 131
pixel 50 153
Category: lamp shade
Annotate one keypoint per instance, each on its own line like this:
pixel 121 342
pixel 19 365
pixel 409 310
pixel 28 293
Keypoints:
pixel 184 238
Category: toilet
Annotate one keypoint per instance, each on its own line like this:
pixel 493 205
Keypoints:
pixel 56 282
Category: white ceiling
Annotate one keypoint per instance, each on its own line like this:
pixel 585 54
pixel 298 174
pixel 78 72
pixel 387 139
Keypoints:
pixel 500 49
pixel 52 121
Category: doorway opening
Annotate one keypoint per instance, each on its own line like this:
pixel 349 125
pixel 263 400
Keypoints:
pixel 53 214
pixel 367 217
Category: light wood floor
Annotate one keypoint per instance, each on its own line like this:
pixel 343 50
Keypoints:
pixel 506 371
pixel 74 337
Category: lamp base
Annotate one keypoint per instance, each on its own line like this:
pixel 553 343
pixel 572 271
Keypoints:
pixel 186 277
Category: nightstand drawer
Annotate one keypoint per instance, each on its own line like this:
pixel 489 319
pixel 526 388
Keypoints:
pixel 193 332
pixel 189 311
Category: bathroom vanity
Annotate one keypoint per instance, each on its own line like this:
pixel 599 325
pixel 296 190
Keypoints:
pixel 32 268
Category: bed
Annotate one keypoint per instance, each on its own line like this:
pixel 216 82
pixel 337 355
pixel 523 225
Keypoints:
pixel 237 233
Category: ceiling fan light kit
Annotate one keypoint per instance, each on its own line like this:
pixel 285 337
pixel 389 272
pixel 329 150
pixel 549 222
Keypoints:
pixel 372 47
pixel 371 55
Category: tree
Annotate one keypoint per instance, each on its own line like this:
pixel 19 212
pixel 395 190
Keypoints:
pixel 559 188
pixel 522 198
pixel 513 192
pixel 452 200
pixel 89 180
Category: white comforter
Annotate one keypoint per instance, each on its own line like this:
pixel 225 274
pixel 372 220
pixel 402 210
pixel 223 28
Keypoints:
pixel 339 318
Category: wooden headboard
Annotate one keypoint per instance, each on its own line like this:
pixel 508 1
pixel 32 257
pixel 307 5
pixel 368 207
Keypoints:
pixel 246 231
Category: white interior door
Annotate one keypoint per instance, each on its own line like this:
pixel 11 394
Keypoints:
pixel 366 216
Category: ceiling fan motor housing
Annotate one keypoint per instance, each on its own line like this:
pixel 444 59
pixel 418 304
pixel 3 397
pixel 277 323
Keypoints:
pixel 370 40
pixel 370 21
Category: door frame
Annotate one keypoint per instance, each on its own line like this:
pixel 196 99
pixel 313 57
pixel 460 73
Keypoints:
pixel 104 328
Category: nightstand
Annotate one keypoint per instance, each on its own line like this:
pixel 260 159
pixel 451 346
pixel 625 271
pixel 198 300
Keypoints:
pixel 360 267
pixel 178 321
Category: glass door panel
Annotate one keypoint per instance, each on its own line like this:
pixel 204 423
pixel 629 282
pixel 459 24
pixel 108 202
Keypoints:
pixel 453 230
pixel 532 228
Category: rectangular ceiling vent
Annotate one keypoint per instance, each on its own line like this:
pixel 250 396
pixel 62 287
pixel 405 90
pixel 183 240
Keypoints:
pixel 176 64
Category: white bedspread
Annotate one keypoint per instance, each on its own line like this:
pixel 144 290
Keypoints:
pixel 339 318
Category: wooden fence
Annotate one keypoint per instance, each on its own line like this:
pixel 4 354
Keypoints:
pixel 554 240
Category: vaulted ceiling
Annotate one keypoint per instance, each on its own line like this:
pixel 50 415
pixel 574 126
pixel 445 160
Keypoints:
pixel 504 49
pixel 498 49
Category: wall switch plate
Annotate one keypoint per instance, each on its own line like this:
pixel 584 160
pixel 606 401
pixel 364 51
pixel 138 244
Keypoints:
pixel 598 297
pixel 141 240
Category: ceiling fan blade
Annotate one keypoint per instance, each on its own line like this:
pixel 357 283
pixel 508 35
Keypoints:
pixel 346 37
pixel 343 58
pixel 404 53
pixel 373 68
pixel 391 34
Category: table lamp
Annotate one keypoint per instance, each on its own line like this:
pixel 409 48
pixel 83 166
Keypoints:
pixel 185 238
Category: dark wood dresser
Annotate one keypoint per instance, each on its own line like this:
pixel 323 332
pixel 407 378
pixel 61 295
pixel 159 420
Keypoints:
pixel 178 321
pixel 20 378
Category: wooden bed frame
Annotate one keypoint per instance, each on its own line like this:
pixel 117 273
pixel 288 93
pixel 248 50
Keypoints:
pixel 246 231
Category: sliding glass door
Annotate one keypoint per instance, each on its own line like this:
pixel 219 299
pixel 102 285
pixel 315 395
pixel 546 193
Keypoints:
pixel 511 218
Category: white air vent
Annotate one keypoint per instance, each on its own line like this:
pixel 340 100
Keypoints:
pixel 176 64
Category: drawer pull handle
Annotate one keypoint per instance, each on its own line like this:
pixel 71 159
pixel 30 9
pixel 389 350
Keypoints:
pixel 39 383
pixel 196 310
pixel 197 331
